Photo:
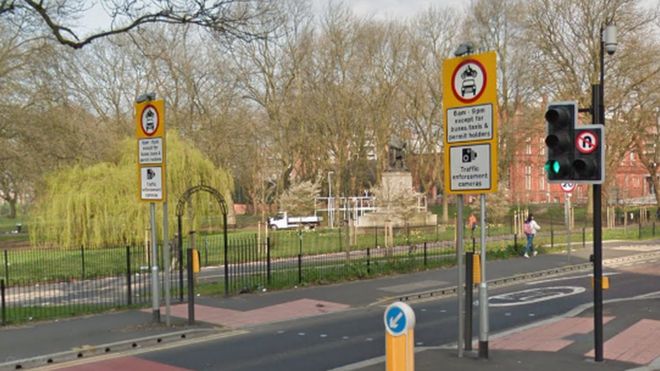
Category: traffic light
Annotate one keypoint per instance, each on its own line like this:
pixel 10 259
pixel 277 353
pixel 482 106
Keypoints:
pixel 589 161
pixel 561 118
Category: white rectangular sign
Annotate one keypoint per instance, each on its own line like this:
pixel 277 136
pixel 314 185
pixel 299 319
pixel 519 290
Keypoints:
pixel 472 123
pixel 470 167
pixel 150 151
pixel 151 180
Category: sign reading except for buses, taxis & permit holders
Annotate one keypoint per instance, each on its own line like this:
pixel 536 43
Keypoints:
pixel 150 133
pixel 470 108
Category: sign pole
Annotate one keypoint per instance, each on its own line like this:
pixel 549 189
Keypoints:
pixel 483 287
pixel 154 265
pixel 166 264
pixel 461 274
pixel 597 117
pixel 567 218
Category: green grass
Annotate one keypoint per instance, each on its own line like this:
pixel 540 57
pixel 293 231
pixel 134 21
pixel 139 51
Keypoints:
pixel 17 315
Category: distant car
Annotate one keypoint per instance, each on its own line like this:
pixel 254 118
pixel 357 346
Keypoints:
pixel 468 86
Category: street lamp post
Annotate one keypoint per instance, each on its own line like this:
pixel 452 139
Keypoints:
pixel 607 43
pixel 330 204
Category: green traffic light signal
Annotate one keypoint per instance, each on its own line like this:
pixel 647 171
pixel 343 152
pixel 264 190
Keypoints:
pixel 556 167
pixel 553 166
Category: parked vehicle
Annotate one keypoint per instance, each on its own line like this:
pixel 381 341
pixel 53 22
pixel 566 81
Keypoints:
pixel 283 221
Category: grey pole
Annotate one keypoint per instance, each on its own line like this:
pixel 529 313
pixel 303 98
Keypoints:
pixel 567 216
pixel 166 263
pixel 154 265
pixel 483 288
pixel 461 274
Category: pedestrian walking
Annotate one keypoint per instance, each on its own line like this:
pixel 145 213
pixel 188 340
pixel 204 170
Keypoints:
pixel 530 228
pixel 472 223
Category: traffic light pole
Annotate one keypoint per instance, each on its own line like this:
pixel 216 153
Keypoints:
pixel 598 118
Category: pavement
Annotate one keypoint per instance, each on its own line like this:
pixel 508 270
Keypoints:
pixel 631 340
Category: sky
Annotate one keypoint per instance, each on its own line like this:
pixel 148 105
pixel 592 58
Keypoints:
pixel 377 9
pixel 399 9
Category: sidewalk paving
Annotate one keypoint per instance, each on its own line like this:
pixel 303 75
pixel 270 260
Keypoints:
pixel 76 336
pixel 631 342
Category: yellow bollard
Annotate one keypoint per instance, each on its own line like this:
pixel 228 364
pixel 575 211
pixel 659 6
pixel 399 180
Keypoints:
pixel 476 269
pixel 399 337
pixel 605 283
pixel 195 261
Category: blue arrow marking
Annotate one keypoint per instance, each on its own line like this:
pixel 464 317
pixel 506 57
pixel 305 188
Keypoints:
pixel 396 320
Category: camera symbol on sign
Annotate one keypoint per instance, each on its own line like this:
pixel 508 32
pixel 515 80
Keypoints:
pixel 150 174
pixel 469 155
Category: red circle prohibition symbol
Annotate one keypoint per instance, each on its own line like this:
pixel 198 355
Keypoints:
pixel 483 86
pixel 586 142
pixel 568 187
pixel 149 120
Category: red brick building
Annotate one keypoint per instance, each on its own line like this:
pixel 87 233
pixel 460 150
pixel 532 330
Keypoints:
pixel 528 181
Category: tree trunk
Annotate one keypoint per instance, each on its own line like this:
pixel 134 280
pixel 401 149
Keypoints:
pixel 12 208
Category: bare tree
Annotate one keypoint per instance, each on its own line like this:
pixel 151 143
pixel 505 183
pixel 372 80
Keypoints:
pixel 433 36
pixel 567 49
pixel 243 19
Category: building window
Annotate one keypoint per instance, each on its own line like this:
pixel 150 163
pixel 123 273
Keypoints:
pixel 528 148
pixel 542 182
pixel 528 178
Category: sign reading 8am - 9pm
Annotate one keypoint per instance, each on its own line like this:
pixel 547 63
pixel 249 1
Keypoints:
pixel 465 124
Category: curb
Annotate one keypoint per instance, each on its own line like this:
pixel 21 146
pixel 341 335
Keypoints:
pixel 104 349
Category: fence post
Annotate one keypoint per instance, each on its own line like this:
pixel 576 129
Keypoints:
pixel 552 237
pixel 375 237
pixel 654 228
pixel 129 293
pixel 425 254
pixel 6 267
pixel 268 266
pixel 2 301
pixel 191 288
pixel 515 243
pixel 639 235
pixel 82 259
pixel 584 237
pixel 299 269
pixel 368 260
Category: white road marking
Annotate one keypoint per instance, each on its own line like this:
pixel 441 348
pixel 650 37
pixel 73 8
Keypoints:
pixel 534 295
pixel 568 278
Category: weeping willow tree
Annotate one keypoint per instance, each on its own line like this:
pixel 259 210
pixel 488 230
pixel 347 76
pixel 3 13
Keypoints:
pixel 99 205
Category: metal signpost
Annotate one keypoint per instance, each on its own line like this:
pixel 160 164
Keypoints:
pixel 150 134
pixel 568 187
pixel 399 337
pixel 470 147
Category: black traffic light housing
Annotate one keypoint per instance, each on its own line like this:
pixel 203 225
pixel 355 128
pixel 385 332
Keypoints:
pixel 575 154
pixel 561 118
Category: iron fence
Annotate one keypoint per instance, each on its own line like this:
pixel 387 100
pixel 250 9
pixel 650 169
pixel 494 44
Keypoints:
pixel 46 283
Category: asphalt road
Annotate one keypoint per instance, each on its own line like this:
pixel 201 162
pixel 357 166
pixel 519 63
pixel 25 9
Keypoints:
pixel 334 340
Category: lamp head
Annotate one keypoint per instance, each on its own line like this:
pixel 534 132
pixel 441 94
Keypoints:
pixel 609 39
pixel 145 97
pixel 464 48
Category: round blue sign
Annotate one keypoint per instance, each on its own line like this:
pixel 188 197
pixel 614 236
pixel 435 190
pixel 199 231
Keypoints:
pixel 399 317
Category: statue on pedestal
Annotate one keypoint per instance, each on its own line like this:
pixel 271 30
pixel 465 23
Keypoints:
pixel 396 151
